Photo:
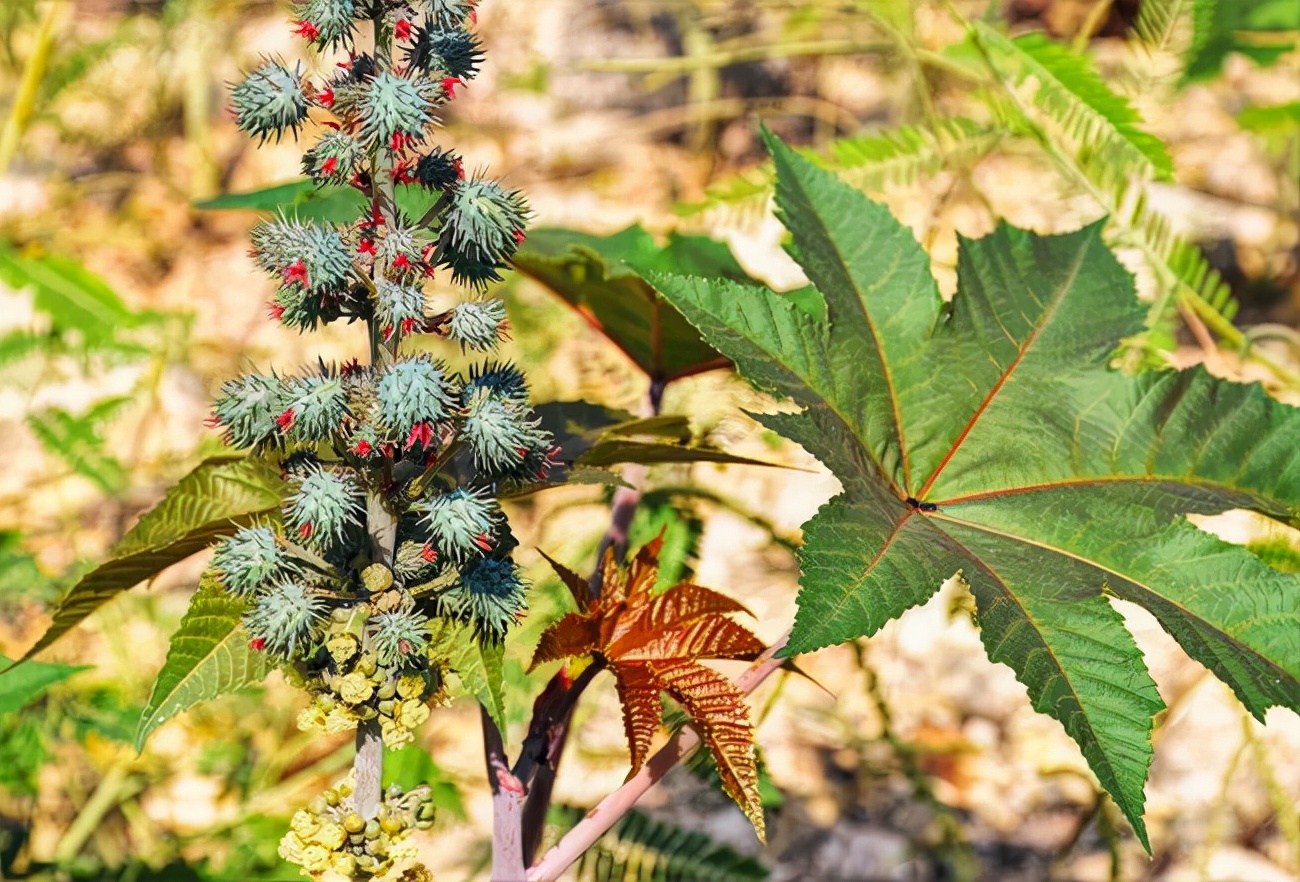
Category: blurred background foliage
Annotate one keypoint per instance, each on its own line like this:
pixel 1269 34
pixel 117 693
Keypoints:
pixel 126 298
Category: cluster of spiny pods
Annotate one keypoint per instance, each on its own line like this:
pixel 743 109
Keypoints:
pixel 428 448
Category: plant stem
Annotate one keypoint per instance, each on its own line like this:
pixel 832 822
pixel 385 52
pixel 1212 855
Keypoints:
pixel 599 820
pixel 368 767
pixel 24 106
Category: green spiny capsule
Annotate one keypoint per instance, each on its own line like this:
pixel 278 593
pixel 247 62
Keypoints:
pixel 282 620
pixel 490 595
pixel 478 325
pixel 270 100
pixel 334 159
pixel 248 407
pixel 414 391
pixel 400 637
pixel 324 504
pixel 316 406
pixel 250 559
pixel 485 222
pixel 460 523
pixel 394 105
pixel 326 22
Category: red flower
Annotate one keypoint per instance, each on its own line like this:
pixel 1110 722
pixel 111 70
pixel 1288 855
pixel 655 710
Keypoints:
pixel 402 30
pixel 307 30
pixel 408 326
pixel 285 420
pixel 460 168
pixel 306 530
pixel 449 85
pixel 362 448
pixel 326 98
pixel 421 432
pixel 397 142
pixel 483 542
pixel 257 644
pixel 428 553
pixel 401 263
pixel 276 311
pixel 366 246
pixel 330 166
pixel 519 237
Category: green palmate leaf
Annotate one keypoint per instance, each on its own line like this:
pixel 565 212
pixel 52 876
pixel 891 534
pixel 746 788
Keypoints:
pixel 604 280
pixel 21 687
pixel 479 666
pixel 208 657
pixel 212 501
pixel 989 438
pixel 1071 92
pixel 660 439
pixel 301 199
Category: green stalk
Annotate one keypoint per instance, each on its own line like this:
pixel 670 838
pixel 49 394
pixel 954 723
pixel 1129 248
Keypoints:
pixel 20 116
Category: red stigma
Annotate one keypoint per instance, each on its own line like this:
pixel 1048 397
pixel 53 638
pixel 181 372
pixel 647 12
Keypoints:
pixel 275 311
pixel 449 85
pixel 212 422
pixel 400 262
pixel 388 333
pixel 402 30
pixel 483 542
pixel 428 553
pixel 306 530
pixel 460 168
pixel 330 166
pixel 257 644
pixel 366 246
pixel 326 98
pixel 297 272
pixel 519 237
pixel 408 326
pixel 307 30
pixel 362 448
pixel 421 432
pixel 397 142
pixel 285 420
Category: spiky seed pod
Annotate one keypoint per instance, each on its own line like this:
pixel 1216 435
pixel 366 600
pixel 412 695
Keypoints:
pixel 270 100
pixel 398 306
pixel 334 159
pixel 400 638
pixel 298 308
pixel 400 248
pixel 499 434
pixel 489 594
pixel 485 221
pixel 478 325
pixel 330 20
pixel 438 169
pixel 324 504
pixel 447 14
pixel 501 380
pixel 468 271
pixel 317 406
pixel 282 620
pixel 248 407
pixel 394 105
pixel 451 53
pixel 305 255
pixel 460 523
pixel 412 391
pixel 249 560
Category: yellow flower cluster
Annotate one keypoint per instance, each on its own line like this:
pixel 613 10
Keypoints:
pixel 353 686
pixel 329 836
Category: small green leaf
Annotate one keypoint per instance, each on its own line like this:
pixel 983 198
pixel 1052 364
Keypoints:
pixel 604 279
pixel 216 498
pixel 479 666
pixel 209 656
pixel 1262 30
pixel 21 687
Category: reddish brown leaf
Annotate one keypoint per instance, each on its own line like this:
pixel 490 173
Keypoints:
pixel 578 586
pixel 642 710
pixel 651 644
pixel 712 637
pixel 572 636
pixel 718 711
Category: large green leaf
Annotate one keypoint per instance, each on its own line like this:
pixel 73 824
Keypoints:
pixel 208 657
pixel 604 279
pixel 211 501
pixel 990 438
pixel 478 665
pixel 28 683
pixel 304 200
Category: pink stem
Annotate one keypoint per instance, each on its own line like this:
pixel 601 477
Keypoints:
pixel 588 831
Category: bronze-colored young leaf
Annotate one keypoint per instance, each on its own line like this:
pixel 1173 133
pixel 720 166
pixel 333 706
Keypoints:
pixel 652 644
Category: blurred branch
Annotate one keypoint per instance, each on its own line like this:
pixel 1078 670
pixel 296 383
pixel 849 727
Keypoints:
pixel 24 107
